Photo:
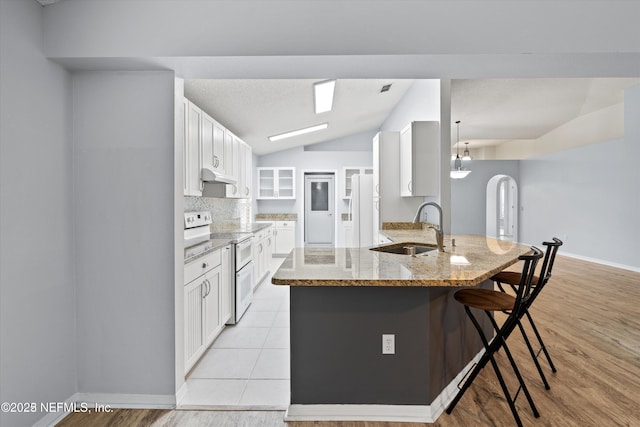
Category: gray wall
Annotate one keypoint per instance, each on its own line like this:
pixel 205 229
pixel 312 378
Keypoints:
pixel 37 293
pixel 588 196
pixel 469 195
pixel 124 210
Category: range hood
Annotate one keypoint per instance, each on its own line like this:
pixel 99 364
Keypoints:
pixel 210 175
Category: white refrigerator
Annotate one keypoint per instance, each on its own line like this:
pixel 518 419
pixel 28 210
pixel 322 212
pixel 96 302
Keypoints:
pixel 362 205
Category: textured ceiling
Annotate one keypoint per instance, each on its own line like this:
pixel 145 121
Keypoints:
pixel 493 111
pixel 257 109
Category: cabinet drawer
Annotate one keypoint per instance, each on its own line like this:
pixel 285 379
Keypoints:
pixel 285 224
pixel 201 265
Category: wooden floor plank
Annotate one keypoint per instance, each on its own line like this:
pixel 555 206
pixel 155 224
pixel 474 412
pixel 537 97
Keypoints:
pixel 588 316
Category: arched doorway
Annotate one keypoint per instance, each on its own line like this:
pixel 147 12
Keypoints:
pixel 502 208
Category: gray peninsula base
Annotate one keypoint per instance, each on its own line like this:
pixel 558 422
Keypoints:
pixel 336 344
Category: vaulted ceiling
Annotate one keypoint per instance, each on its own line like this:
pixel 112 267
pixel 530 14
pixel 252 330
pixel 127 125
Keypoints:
pixel 492 111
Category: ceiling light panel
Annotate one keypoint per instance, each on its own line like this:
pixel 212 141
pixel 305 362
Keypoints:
pixel 298 132
pixel 323 92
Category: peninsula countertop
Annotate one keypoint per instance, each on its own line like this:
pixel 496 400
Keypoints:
pixel 471 261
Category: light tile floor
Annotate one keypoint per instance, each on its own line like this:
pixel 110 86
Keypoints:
pixel 247 366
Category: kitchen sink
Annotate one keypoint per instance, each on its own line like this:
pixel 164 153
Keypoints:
pixel 404 248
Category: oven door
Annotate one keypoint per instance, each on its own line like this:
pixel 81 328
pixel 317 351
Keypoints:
pixel 244 253
pixel 244 289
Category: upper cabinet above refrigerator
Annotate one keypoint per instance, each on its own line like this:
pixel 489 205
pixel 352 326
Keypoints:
pixel 420 159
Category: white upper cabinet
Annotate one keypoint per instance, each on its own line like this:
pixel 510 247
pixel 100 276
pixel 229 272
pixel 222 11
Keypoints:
pixel 212 144
pixel 193 150
pixel 241 166
pixel 233 190
pixel 276 183
pixel 376 166
pixel 347 173
pixel 248 171
pixel 207 144
pixel 419 159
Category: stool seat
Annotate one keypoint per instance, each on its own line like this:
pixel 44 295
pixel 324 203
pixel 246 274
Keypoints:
pixel 485 299
pixel 512 278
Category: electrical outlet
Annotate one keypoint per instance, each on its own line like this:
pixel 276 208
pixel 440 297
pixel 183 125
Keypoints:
pixel 388 344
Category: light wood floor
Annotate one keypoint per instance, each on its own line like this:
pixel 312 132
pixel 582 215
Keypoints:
pixel 589 316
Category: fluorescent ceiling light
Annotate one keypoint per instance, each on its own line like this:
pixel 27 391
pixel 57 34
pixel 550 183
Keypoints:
pixel 324 95
pixel 298 132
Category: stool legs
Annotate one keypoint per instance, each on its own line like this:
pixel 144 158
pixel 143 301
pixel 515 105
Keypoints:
pixel 530 347
pixel 499 341
pixel 542 346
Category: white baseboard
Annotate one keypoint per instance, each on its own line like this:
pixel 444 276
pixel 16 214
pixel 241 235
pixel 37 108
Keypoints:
pixel 381 413
pixel 53 418
pixel 130 401
pixel 600 261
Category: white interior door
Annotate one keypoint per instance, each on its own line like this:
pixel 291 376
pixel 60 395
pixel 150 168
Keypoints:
pixel 319 207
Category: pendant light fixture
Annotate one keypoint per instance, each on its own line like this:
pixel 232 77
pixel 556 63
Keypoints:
pixel 466 155
pixel 458 172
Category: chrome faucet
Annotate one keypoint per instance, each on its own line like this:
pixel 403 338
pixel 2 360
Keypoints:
pixel 439 232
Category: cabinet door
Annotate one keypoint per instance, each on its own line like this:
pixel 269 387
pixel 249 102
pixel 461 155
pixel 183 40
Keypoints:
pixel 185 146
pixel 285 237
pixel 233 189
pixel 406 162
pixel 286 183
pixel 346 184
pixel 266 183
pixel 193 333
pixel 219 147
pixel 376 217
pixel 194 153
pixel 347 230
pixel 255 250
pixel 206 135
pixel 226 289
pixel 247 171
pixel 376 166
pixel 270 245
pixel 211 302
pixel 228 152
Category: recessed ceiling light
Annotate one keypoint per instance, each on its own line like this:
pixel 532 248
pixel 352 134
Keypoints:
pixel 324 95
pixel 298 132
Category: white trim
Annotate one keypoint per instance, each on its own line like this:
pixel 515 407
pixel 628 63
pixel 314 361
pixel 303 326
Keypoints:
pixel 382 413
pixel 130 401
pixel 53 418
pixel 601 261
pixel 594 260
pixel 112 400
pixel 181 393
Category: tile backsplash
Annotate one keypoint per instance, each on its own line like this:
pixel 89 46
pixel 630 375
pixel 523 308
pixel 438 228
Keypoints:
pixel 221 209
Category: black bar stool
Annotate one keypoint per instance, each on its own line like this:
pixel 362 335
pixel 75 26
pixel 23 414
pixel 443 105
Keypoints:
pixel 513 278
pixel 490 301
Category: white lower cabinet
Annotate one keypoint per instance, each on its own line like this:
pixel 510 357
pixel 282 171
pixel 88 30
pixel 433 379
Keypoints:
pixel 202 308
pixel 226 291
pixel 262 253
pixel 285 237
pixel 347 232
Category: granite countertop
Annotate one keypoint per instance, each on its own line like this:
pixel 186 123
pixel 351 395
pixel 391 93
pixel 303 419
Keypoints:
pixel 251 227
pixel 276 217
pixel 473 260
pixel 198 248
pixel 222 234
